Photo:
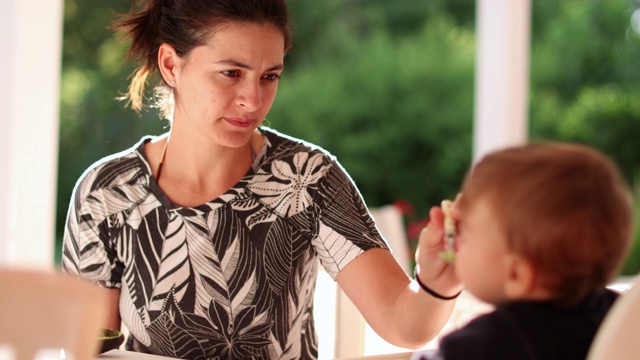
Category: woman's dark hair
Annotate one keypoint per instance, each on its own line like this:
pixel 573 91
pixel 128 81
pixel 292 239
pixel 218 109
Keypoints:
pixel 185 24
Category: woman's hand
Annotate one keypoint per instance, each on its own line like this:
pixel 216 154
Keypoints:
pixel 396 307
pixel 434 270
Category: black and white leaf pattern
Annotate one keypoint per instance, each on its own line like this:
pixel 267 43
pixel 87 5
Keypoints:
pixel 232 278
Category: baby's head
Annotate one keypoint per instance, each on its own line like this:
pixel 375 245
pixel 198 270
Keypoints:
pixel 542 221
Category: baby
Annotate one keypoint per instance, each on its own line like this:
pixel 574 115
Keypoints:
pixel 542 229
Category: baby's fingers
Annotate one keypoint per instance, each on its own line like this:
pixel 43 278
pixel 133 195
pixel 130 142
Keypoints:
pixel 431 235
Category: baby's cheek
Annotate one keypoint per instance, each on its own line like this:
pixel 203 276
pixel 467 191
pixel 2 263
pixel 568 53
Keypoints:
pixel 462 263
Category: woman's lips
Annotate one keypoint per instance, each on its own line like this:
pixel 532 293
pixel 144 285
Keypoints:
pixel 239 122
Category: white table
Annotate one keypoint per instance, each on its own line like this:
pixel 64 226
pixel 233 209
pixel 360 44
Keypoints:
pixel 130 355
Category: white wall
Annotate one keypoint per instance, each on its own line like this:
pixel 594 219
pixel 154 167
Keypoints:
pixel 30 39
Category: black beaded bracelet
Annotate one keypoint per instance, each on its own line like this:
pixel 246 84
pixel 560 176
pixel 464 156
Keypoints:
pixel 433 293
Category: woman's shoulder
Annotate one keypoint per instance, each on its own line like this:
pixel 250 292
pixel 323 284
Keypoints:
pixel 283 143
pixel 300 156
pixel 125 167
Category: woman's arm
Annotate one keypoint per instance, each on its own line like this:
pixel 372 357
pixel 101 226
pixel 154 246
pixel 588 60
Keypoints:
pixel 113 312
pixel 391 302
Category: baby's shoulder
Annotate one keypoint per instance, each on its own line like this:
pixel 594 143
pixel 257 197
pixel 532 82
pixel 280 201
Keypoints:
pixel 485 337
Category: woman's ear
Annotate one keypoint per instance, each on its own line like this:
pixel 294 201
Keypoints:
pixel 167 63
pixel 520 279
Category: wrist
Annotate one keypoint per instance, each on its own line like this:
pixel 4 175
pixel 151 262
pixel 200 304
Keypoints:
pixel 432 292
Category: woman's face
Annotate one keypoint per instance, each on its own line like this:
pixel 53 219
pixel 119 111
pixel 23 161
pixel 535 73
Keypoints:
pixel 480 260
pixel 224 89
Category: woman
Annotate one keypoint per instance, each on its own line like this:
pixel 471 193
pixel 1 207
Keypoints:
pixel 208 237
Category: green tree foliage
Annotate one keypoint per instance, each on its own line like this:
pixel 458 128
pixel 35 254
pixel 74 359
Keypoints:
pixel 585 78
pixel 386 86
pixel 585 83
pixel 93 123
pixel 396 112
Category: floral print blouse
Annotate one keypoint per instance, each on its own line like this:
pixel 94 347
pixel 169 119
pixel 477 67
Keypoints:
pixel 232 278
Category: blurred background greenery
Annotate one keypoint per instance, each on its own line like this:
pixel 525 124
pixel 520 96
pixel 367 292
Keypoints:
pixel 387 87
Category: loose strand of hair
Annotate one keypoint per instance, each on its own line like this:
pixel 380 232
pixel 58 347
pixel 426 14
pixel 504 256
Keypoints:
pixel 140 27
pixel 137 88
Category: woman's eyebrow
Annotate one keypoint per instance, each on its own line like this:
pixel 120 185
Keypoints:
pixel 236 63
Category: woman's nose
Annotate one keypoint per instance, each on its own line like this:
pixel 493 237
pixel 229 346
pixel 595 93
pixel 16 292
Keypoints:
pixel 249 97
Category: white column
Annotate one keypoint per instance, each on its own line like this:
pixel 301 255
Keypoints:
pixel 502 74
pixel 30 38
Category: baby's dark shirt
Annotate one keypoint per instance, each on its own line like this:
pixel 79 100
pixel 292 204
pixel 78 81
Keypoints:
pixel 530 330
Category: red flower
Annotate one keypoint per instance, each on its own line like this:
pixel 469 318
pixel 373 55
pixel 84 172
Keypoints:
pixel 406 208
pixel 414 228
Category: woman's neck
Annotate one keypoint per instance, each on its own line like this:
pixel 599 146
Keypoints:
pixel 193 173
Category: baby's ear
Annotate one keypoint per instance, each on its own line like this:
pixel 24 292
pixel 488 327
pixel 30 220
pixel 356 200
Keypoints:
pixel 520 278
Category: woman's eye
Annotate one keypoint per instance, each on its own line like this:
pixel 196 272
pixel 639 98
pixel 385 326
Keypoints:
pixel 231 73
pixel 271 77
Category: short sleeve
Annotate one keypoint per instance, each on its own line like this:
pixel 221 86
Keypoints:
pixel 346 228
pixel 86 248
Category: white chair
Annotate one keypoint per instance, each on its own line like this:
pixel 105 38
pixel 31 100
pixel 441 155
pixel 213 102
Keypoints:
pixel 390 222
pixel 46 310
pixel 353 336
pixel 617 338
pixel 346 335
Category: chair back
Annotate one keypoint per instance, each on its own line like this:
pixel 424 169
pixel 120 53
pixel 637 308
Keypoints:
pixel 617 337
pixel 49 310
